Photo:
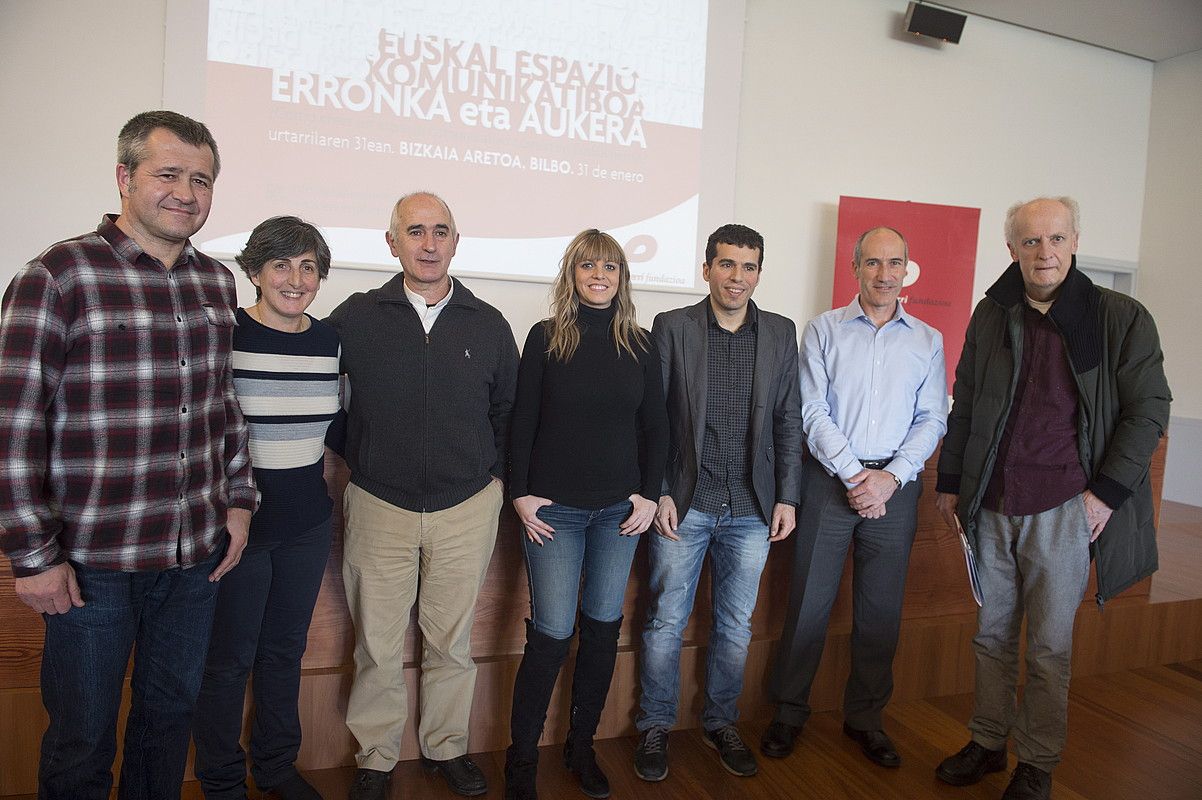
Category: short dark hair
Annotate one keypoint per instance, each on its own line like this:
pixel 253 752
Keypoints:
pixel 282 237
pixel 737 235
pixel 131 142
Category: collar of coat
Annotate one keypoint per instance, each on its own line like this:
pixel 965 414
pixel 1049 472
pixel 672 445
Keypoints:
pixel 1075 313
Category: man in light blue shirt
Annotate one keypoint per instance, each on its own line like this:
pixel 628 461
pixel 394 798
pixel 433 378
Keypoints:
pixel 873 407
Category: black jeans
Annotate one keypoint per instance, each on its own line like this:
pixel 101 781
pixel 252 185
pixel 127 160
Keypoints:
pixel 262 624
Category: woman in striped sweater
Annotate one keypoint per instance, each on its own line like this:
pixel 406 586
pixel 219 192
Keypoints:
pixel 286 378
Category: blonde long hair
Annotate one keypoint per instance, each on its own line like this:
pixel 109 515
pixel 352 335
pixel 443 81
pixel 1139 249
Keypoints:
pixel 563 330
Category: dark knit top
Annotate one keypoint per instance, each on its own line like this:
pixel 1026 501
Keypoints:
pixel 593 431
pixel 287 386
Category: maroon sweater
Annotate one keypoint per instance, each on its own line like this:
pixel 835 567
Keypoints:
pixel 1038 464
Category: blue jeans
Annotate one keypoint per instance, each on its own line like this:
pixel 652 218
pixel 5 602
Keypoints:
pixel 262 623
pixel 167 615
pixel 738 548
pixel 585 540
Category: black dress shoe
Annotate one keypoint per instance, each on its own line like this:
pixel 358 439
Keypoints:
pixel 461 773
pixel 1029 783
pixel 970 765
pixel 369 784
pixel 777 741
pixel 876 745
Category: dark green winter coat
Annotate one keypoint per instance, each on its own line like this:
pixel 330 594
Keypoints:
pixel 1123 405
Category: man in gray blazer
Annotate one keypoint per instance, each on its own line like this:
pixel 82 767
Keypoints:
pixel 732 487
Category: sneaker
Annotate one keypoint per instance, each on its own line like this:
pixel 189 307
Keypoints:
pixel 735 756
pixel 369 784
pixel 970 765
pixel 1029 783
pixel 651 755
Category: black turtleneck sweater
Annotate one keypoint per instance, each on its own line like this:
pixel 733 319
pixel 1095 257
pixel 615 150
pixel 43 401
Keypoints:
pixel 593 431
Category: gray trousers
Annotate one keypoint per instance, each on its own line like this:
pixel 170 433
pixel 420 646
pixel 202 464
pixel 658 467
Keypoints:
pixel 1037 565
pixel 881 553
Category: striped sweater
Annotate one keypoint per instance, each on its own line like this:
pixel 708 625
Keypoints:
pixel 287 386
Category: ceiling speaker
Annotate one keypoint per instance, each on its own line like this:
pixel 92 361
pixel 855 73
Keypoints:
pixel 934 22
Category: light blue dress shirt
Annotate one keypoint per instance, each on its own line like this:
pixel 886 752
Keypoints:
pixel 871 395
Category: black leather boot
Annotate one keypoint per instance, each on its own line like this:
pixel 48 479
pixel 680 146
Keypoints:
pixel 590 685
pixel 541 661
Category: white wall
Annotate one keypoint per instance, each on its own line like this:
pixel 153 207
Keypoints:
pixel 835 101
pixel 1172 214
pixel 71 74
pixel 1169 258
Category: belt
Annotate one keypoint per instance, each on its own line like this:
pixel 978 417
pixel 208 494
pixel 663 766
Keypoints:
pixel 881 464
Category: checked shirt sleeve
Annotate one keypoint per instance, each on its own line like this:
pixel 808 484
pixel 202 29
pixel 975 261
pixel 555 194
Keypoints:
pixel 240 481
pixel 32 354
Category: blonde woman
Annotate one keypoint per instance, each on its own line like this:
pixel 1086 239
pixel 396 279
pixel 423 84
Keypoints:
pixel 589 443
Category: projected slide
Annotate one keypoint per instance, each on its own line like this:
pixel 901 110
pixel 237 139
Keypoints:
pixel 533 119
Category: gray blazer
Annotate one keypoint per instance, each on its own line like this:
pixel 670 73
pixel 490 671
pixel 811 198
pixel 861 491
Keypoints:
pixel 776 441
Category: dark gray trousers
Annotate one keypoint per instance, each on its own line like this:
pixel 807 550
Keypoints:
pixel 881 551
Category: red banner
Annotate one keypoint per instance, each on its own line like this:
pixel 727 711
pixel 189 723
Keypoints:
pixel 943 256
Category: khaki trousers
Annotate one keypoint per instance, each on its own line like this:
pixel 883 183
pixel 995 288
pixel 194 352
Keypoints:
pixel 387 552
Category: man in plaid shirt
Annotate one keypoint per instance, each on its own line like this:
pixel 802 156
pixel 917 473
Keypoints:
pixel 125 481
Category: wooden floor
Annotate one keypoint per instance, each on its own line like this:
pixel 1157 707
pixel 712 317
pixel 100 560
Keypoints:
pixel 1135 734
pixel 1132 735
pixel 1179 542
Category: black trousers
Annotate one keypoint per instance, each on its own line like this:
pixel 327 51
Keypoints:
pixel 264 607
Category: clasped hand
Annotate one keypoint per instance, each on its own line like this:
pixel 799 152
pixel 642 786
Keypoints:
pixel 872 489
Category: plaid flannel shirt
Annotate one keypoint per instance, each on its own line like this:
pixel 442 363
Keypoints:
pixel 121 442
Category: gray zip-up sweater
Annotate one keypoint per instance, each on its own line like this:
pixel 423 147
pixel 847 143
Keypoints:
pixel 428 423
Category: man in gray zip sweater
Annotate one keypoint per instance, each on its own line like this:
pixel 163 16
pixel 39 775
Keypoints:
pixel 432 371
